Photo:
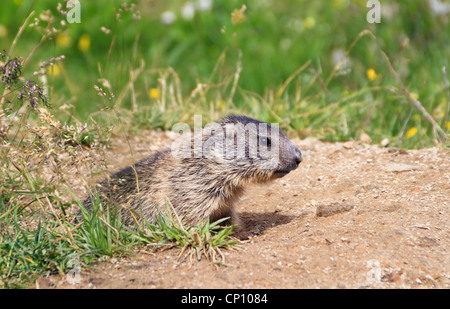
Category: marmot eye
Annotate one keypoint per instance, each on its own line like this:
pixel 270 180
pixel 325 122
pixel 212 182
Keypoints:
pixel 265 141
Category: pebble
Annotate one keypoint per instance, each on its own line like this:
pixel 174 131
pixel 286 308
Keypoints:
pixel 401 167
pixel 334 208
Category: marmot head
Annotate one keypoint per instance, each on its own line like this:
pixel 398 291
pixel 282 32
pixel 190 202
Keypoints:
pixel 240 148
pixel 261 149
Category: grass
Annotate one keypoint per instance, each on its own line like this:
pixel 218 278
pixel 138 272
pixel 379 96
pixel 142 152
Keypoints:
pixel 202 239
pixel 316 68
pixel 243 66
pixel 39 243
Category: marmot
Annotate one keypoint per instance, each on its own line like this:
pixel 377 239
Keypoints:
pixel 204 181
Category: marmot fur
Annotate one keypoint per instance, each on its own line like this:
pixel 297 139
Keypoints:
pixel 200 185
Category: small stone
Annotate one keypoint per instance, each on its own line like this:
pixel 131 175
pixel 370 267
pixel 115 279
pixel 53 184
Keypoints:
pixel 329 210
pixel 365 138
pixel 384 142
pixel 401 167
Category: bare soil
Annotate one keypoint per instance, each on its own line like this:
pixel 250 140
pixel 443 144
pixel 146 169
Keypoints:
pixel 351 216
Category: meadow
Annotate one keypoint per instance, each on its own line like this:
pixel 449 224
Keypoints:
pixel 71 80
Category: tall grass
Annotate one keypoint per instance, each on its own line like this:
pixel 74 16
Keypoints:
pixel 68 88
pixel 242 65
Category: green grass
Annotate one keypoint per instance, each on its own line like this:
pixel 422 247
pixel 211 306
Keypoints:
pixel 272 42
pixel 41 242
pixel 202 239
pixel 67 88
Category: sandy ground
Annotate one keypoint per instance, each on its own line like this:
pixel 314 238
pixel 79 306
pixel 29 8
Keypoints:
pixel 351 216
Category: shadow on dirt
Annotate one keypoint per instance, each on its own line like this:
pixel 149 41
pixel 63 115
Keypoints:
pixel 256 223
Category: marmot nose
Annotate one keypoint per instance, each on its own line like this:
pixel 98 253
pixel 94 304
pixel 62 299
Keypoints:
pixel 298 156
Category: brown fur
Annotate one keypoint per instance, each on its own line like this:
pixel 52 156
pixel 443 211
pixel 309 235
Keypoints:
pixel 196 188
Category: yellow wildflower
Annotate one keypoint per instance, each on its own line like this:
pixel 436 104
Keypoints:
pixel 84 43
pixel 371 74
pixel 238 15
pixel 339 4
pixel 154 93
pixel 221 105
pixel 411 132
pixel 415 95
pixel 63 40
pixel 54 70
pixel 309 22
pixel 3 32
